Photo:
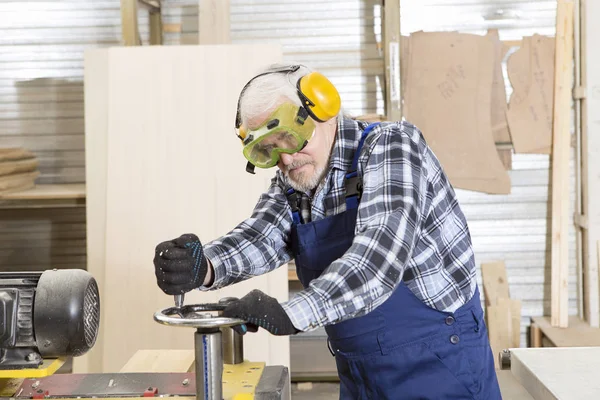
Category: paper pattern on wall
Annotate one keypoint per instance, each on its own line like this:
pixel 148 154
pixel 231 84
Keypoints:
pixel 531 74
pixel 448 95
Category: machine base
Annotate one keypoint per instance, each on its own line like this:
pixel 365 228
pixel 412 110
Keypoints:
pixel 243 381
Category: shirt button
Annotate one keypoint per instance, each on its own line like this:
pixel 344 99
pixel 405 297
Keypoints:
pixel 454 339
pixel 449 320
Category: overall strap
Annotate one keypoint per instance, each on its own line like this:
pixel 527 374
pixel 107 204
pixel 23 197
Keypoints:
pixel 352 182
pixel 294 201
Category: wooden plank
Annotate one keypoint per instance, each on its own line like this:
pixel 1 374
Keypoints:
pixel 558 373
pixel 213 22
pixel 535 334
pixel 515 327
pixel 18 182
pixel 130 35
pixel 15 154
pixel 158 97
pixel 578 334
pixel 160 361
pixel 156 29
pixel 561 150
pixel 391 51
pixel 48 192
pixel 11 167
pixel 171 28
pixel 292 276
pixel 590 158
pixel 499 323
pixel 495 282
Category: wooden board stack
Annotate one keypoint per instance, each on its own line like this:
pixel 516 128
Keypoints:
pixel 18 169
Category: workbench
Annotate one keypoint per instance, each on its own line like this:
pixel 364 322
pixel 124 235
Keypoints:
pixel 559 373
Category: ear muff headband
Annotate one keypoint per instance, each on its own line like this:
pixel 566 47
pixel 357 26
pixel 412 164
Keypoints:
pixel 318 95
pixel 286 70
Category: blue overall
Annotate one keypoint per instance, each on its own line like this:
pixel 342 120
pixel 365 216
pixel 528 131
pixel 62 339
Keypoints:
pixel 403 349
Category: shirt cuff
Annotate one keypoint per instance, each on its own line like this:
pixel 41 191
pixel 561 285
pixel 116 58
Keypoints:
pixel 219 268
pixel 305 310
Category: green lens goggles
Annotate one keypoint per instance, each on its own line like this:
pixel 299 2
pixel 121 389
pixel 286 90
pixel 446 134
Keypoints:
pixel 287 130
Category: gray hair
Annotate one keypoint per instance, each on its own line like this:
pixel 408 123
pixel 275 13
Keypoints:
pixel 265 92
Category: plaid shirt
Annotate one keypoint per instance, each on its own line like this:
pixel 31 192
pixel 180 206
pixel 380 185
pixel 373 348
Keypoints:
pixel 409 227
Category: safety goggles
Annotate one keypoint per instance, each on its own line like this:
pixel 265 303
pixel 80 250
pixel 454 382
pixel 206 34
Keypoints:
pixel 287 130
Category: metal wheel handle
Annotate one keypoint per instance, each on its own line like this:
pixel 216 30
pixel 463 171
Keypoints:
pixel 202 316
pixel 208 341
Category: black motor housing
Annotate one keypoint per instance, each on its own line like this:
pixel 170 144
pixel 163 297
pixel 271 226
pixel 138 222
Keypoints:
pixel 55 313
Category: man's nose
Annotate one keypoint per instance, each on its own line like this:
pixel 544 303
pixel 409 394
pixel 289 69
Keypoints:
pixel 286 159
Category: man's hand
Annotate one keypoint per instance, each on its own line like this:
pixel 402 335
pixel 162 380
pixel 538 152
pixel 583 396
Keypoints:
pixel 180 265
pixel 261 310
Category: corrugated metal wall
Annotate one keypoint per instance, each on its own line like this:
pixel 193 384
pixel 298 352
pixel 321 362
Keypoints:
pixel 41 88
pixel 41 108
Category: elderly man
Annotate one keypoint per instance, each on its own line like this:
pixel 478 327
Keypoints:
pixel 381 246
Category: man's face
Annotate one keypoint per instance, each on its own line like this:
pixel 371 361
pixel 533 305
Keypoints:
pixel 306 168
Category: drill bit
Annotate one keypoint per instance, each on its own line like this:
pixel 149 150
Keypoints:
pixel 179 300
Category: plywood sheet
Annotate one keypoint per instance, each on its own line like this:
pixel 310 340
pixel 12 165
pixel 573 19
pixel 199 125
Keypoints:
pixel 175 167
pixel 531 74
pixel 448 94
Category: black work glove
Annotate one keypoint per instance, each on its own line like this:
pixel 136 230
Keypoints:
pixel 180 265
pixel 262 310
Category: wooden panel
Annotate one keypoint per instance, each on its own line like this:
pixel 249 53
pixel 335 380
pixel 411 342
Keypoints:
pixel 213 22
pixel 175 106
pixel 558 373
pixel 561 148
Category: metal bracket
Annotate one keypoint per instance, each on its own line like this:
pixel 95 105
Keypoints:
pixel 580 220
pixel 579 92
pixel 504 359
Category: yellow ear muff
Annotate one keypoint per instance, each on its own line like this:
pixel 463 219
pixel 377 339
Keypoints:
pixel 320 98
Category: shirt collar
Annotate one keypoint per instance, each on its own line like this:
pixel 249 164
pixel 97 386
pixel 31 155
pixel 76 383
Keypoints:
pixel 348 136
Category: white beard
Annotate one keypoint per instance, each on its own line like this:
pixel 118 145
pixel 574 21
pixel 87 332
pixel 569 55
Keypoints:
pixel 303 181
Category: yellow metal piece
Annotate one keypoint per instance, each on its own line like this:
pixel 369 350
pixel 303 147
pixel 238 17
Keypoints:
pixel 47 368
pixel 240 380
